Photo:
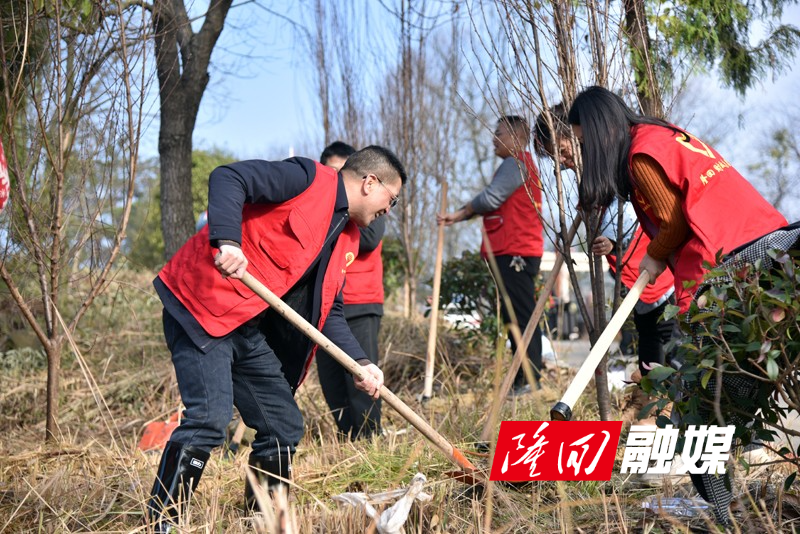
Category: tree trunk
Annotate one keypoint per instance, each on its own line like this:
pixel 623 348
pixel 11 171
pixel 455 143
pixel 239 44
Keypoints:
pixel 601 374
pixel 182 59
pixel 412 297
pixel 175 151
pixel 642 57
pixel 406 298
pixel 53 348
pixel 53 352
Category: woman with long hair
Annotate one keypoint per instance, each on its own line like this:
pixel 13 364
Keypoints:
pixel 683 191
pixel 692 204
pixel 554 140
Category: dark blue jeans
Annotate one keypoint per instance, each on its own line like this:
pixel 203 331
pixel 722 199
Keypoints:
pixel 241 370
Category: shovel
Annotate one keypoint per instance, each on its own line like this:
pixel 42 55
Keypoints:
pixel 455 455
pixel 562 410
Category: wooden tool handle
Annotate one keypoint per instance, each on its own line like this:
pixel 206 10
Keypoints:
pixel 562 411
pixel 357 370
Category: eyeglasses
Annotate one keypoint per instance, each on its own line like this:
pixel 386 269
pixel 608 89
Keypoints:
pixel 394 198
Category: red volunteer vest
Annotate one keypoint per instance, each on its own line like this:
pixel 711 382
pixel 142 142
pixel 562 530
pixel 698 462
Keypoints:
pixel 630 269
pixel 4 184
pixel 365 279
pixel 280 242
pixel 721 207
pixel 515 229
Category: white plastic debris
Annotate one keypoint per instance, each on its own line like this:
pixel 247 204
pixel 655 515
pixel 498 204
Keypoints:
pixel 676 506
pixel 548 352
pixel 392 519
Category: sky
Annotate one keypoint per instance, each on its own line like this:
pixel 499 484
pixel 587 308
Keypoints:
pixel 260 102
pixel 266 111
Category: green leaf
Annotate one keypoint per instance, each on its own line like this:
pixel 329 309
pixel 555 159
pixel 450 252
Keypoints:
pixel 670 311
pixel 772 369
pixel 706 377
pixel 703 316
pixel 662 421
pixel 660 373
pixel 730 312
pixel 755 346
pixel 86 9
pixel 789 481
pixel 647 385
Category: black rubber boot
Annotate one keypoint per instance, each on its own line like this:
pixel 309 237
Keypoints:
pixel 178 474
pixel 267 469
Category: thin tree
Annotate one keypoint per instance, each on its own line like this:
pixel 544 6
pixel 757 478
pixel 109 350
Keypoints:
pixel 341 73
pixel 779 169
pixel 418 120
pixel 71 121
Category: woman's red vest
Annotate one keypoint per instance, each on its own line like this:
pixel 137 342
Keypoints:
pixel 630 269
pixel 365 279
pixel 280 241
pixel 515 229
pixel 721 208
pixel 4 186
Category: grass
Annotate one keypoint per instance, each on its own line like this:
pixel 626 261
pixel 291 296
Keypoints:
pixel 94 479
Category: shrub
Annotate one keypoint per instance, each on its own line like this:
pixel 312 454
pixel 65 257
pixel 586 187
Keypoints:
pixel 744 330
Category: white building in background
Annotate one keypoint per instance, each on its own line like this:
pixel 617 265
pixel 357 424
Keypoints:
pixel 580 259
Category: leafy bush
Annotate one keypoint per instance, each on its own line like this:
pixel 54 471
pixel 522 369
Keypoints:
pixel 744 329
pixel 467 285
pixel 392 255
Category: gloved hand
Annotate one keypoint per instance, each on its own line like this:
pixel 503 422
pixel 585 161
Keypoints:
pixel 371 386
pixel 230 261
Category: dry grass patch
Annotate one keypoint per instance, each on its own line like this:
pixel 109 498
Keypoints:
pixel 95 480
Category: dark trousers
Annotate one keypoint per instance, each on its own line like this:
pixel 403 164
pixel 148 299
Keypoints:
pixel 521 289
pixel 241 370
pixel 355 412
pixel 653 335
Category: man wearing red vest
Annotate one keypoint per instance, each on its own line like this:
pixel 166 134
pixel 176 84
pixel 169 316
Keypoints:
pixel 510 207
pixel 293 225
pixel 356 413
